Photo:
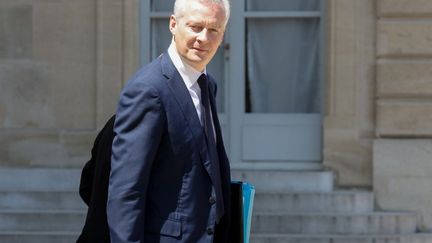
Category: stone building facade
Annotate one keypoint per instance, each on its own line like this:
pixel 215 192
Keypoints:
pixel 63 63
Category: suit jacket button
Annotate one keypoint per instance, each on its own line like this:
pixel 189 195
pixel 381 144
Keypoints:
pixel 210 231
pixel 212 200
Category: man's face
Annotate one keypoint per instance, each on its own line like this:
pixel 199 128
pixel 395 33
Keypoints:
pixel 198 32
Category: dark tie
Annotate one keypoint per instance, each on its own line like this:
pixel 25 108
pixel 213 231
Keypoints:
pixel 211 145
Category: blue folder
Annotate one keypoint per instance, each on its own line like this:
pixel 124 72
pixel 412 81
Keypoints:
pixel 248 199
pixel 242 197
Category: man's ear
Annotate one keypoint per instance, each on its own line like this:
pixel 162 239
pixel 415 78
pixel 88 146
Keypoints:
pixel 172 24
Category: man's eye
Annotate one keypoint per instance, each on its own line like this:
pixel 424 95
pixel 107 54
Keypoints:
pixel 196 28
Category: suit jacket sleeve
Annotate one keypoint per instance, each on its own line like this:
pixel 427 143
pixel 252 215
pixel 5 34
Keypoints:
pixel 139 128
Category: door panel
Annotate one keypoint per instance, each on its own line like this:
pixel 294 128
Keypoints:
pixel 280 118
pixel 282 138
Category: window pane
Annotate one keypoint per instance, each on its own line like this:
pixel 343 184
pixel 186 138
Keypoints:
pixel 282 66
pixel 161 39
pixel 282 5
pixel 162 5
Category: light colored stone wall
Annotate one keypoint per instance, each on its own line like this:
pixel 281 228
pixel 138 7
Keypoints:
pixel 117 52
pixel 64 37
pixel 399 38
pixel 62 66
pixel 402 177
pixel 404 50
pixel 402 8
pixel 404 118
pixel 402 153
pixel 45 148
pixel 349 117
pixel 404 79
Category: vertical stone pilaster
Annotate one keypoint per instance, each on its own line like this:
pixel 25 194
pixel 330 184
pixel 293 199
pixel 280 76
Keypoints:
pixel 131 38
pixel 117 52
pixel 348 124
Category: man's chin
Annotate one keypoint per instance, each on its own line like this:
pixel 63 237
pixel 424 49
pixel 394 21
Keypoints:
pixel 196 60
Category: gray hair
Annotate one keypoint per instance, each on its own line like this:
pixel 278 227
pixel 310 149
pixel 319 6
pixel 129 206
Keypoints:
pixel 181 5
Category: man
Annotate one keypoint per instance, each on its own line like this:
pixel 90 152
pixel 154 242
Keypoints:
pixel 170 176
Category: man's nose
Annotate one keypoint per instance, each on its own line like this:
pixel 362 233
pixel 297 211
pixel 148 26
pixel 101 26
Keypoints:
pixel 203 35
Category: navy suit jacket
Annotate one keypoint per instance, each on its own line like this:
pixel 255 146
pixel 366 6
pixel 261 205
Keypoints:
pixel 161 177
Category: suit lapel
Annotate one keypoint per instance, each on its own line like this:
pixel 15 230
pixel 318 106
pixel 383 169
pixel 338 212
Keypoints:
pixel 223 160
pixel 180 92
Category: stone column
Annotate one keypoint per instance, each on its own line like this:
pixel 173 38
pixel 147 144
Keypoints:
pixel 349 115
pixel 117 52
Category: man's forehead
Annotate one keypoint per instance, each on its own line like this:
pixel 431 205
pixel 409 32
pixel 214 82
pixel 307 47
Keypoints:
pixel 199 5
pixel 204 11
pixel 204 21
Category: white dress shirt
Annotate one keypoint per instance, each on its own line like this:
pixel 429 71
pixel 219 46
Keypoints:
pixel 190 77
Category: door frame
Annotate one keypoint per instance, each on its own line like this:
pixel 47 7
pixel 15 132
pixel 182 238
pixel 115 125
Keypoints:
pixel 235 121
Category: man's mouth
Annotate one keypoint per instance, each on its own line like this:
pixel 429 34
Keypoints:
pixel 199 49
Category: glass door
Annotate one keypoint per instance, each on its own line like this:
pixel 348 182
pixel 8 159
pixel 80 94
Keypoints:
pixel 269 73
pixel 276 78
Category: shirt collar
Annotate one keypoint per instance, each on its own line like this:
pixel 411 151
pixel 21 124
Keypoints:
pixel 187 72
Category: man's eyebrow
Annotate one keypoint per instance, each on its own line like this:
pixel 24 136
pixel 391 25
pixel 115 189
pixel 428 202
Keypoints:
pixel 215 25
pixel 194 22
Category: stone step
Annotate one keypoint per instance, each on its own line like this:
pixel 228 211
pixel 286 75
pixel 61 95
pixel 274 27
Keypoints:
pixel 337 201
pixel 38 237
pixel 285 180
pixel 393 238
pixel 23 179
pixel 42 220
pixel 61 200
pixel 68 237
pixel 13 179
pixel 334 223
